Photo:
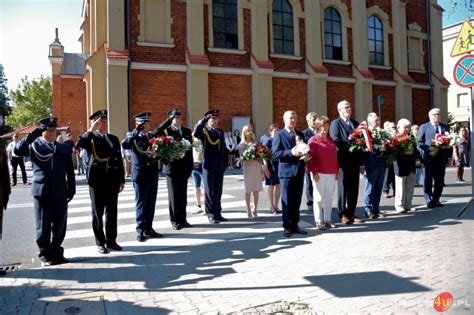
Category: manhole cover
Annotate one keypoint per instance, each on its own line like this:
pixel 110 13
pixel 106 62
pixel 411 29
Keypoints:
pixel 280 307
pixel 10 268
pixel 72 310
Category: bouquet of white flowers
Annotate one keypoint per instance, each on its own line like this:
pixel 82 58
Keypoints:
pixel 303 148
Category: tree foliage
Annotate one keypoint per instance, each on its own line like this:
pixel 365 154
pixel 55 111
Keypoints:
pixel 451 121
pixel 32 101
pixel 5 108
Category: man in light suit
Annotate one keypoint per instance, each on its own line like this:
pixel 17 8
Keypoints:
pixel 291 173
pixel 434 159
pixel 349 163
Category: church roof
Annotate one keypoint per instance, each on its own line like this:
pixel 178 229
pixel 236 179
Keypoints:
pixel 74 64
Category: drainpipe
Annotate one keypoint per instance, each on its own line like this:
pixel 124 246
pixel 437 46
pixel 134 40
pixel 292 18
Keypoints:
pixel 129 62
pixel 428 33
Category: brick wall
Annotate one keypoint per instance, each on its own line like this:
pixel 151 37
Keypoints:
pixel 290 94
pixel 337 92
pixel 416 13
pixel 69 103
pixel 159 54
pixel 231 95
pixel 158 92
pixel 388 107
pixel 420 106
pixel 385 6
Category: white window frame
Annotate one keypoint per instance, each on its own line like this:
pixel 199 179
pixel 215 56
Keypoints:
pixel 240 29
pixel 297 14
pixel 378 12
pixel 142 40
pixel 345 24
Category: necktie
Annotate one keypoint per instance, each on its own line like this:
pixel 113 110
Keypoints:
pixel 292 137
pixel 437 128
pixel 348 122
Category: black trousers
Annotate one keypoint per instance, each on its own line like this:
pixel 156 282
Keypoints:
pixel 389 179
pixel 51 223
pixel 351 189
pixel 213 182
pixel 15 162
pixel 177 196
pixel 291 193
pixel 104 201
pixel 309 190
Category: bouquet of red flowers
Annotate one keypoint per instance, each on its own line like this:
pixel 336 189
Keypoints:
pixel 403 144
pixel 359 139
pixel 257 152
pixel 168 149
pixel 441 141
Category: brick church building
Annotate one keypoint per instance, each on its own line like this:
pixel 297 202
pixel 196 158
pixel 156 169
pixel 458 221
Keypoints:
pixel 250 58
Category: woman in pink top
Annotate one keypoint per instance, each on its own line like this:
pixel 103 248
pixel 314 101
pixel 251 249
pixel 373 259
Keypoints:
pixel 324 169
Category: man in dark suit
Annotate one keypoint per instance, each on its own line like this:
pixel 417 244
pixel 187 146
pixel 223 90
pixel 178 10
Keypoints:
pixel 144 173
pixel 213 142
pixel 178 172
pixel 291 173
pixel 53 187
pixel 5 188
pixel 106 179
pixel 434 159
pixel 349 163
pixel 308 133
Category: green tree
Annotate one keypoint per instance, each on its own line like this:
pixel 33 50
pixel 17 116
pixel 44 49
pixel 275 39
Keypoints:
pixel 451 121
pixel 5 108
pixel 32 101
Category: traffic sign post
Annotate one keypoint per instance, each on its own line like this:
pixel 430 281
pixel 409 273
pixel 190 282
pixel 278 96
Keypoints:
pixel 463 74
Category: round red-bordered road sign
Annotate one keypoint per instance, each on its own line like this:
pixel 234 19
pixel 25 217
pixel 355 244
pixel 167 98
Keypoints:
pixel 463 72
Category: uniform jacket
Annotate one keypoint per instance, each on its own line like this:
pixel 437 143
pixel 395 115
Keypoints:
pixel 105 161
pixel 339 131
pixel 144 167
pixel 425 134
pixel 185 165
pixel 53 171
pixel 213 154
pixel 289 166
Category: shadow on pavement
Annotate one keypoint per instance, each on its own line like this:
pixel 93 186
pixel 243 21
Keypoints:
pixel 350 285
pixel 169 267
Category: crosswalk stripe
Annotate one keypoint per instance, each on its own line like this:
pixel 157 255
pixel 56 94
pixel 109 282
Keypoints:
pixel 125 206
pixel 128 228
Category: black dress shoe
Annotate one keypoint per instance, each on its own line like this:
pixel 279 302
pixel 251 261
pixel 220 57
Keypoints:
pixel 213 220
pixel 299 231
pixel 439 204
pixel 222 219
pixel 286 233
pixel 186 224
pixel 140 237
pixel 114 246
pixel 431 205
pixel 152 233
pixel 101 249
pixel 175 226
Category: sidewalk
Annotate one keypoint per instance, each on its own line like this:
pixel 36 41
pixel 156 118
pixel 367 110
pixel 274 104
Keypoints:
pixel 397 264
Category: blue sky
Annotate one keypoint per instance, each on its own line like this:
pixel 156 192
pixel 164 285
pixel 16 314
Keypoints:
pixel 459 15
pixel 27 29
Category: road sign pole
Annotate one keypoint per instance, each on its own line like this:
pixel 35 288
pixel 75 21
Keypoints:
pixel 471 132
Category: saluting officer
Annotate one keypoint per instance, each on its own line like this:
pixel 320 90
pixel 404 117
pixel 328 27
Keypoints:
pixel 106 179
pixel 177 173
pixel 213 142
pixel 53 186
pixel 144 173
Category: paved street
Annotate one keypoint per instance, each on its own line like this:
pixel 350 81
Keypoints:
pixel 397 264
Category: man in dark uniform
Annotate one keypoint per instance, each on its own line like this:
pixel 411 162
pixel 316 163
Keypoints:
pixel 54 185
pixel 213 142
pixel 144 173
pixel 308 133
pixel 106 179
pixel 177 173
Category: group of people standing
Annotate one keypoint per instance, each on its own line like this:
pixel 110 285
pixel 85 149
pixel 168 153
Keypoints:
pixel 324 158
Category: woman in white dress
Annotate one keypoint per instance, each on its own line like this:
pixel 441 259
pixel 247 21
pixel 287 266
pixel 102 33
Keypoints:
pixel 253 171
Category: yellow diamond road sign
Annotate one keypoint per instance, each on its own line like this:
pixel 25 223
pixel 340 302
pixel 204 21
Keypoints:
pixel 465 41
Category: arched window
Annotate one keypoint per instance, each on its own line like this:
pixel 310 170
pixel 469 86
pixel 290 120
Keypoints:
pixel 224 21
pixel 283 36
pixel 376 53
pixel 332 34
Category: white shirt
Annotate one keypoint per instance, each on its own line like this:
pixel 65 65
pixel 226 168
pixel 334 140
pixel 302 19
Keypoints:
pixel 11 148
